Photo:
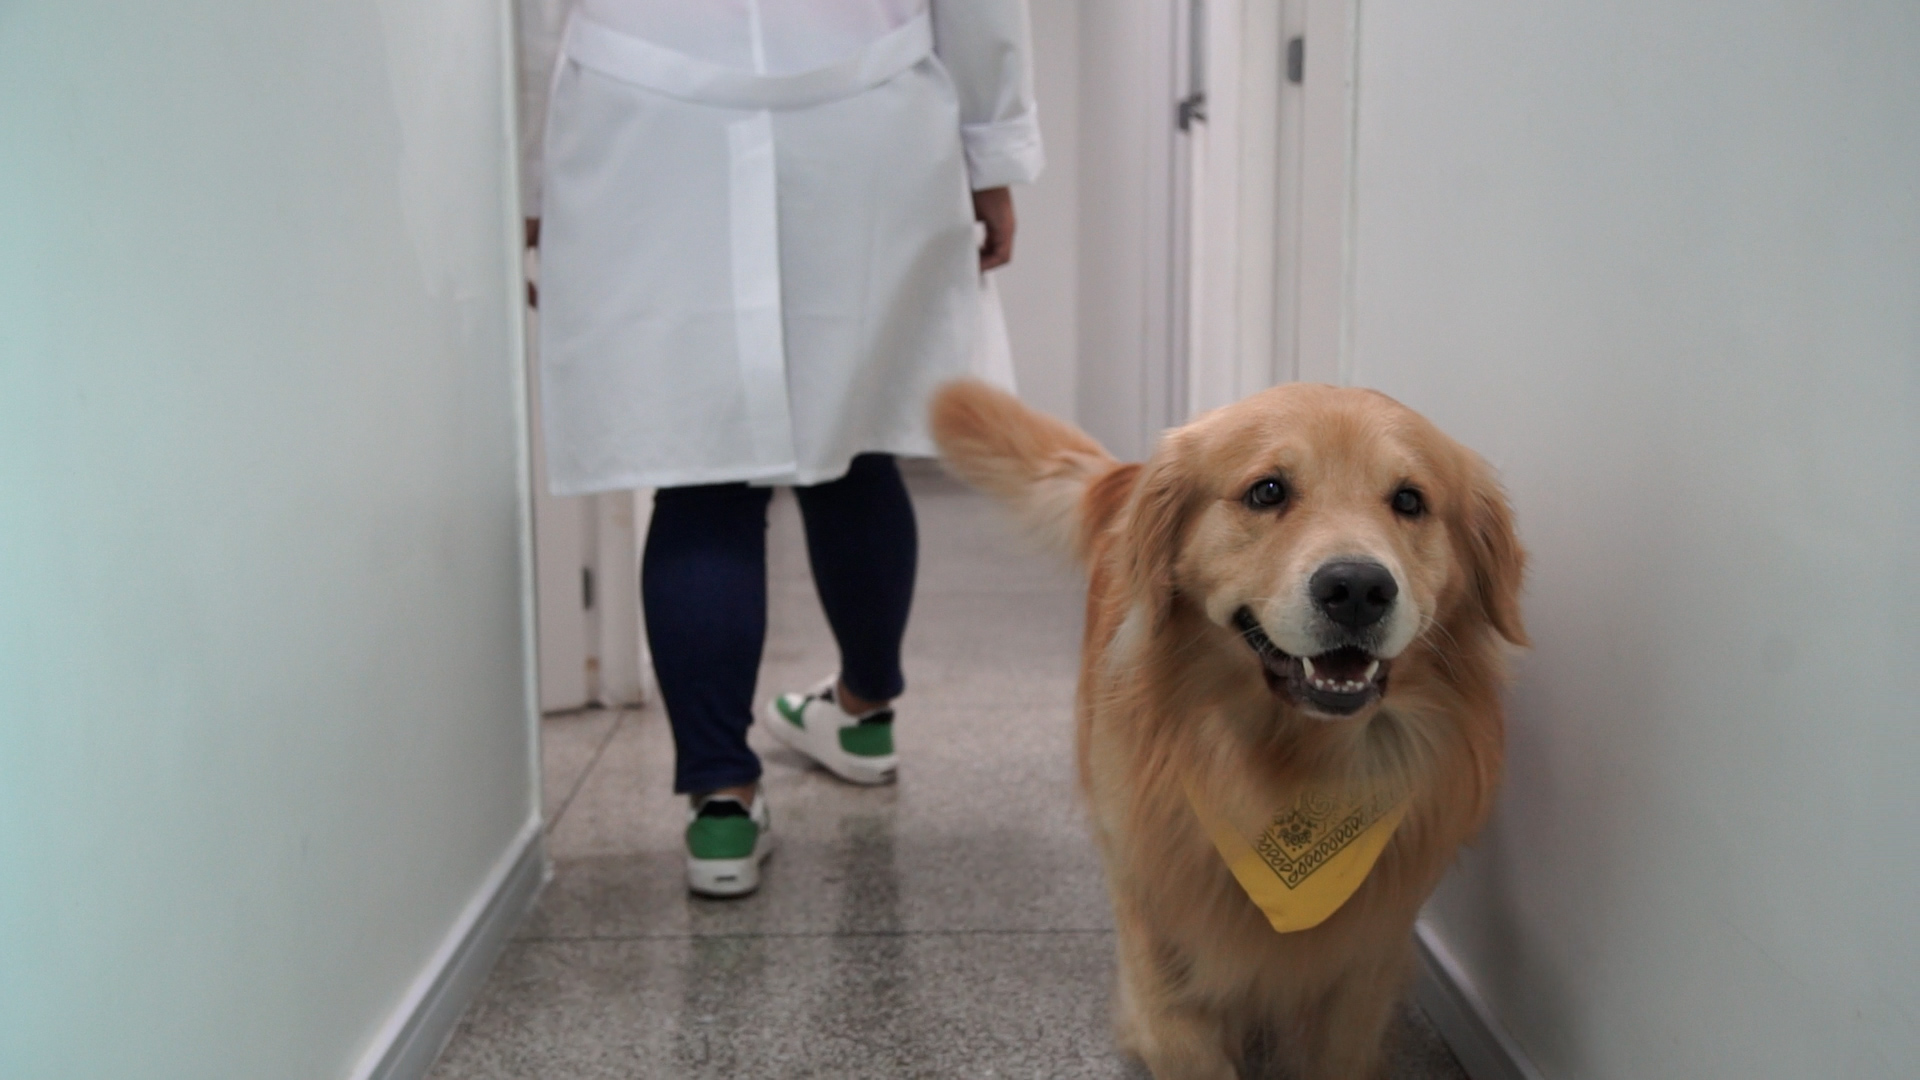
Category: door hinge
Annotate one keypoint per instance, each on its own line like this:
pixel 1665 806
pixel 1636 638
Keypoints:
pixel 1296 60
pixel 1192 110
pixel 586 588
pixel 1193 107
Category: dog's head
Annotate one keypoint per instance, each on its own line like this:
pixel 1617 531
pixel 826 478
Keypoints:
pixel 1329 528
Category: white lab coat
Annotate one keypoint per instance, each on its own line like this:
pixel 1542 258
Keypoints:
pixel 758 254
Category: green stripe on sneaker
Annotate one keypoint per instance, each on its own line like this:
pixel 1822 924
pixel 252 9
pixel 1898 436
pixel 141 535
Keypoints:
pixel 791 712
pixel 722 837
pixel 867 740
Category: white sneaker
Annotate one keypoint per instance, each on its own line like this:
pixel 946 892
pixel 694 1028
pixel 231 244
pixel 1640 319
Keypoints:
pixel 858 749
pixel 726 843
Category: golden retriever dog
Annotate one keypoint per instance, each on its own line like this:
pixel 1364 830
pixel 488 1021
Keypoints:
pixel 1305 592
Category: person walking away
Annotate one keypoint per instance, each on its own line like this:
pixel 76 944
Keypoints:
pixel 757 233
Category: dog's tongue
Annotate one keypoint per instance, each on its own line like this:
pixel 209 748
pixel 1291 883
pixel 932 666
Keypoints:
pixel 1342 665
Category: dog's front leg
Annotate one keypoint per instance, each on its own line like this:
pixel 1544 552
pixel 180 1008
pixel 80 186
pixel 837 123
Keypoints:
pixel 1347 1033
pixel 1177 1038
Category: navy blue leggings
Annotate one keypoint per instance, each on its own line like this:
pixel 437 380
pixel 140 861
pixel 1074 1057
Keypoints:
pixel 703 584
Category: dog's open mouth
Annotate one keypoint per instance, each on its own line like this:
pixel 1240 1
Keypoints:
pixel 1338 682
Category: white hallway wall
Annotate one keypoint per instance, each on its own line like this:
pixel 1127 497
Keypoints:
pixel 1661 263
pixel 263 718
pixel 1124 134
pixel 1040 289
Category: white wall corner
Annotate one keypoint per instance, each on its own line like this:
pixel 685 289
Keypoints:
pixel 1478 1039
pixel 413 1036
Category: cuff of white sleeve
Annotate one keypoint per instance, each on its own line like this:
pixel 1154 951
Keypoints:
pixel 1004 152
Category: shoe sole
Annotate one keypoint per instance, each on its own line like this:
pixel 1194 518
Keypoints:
pixel 869 772
pixel 726 878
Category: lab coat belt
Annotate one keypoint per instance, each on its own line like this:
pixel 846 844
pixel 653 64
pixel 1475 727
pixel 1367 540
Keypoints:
pixel 675 74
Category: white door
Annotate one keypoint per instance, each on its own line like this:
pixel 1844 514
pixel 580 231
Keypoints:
pixel 586 584
pixel 1253 193
pixel 1197 133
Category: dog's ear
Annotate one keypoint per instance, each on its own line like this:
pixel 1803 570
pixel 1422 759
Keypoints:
pixel 1156 517
pixel 1495 559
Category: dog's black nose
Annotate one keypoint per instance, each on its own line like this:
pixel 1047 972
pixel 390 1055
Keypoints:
pixel 1354 594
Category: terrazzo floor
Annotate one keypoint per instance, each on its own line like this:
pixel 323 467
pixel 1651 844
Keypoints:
pixel 951 925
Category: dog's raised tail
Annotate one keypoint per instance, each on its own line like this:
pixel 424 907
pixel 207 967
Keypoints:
pixel 1039 466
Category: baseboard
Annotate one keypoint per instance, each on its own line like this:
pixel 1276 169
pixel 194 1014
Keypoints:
pixel 414 1035
pixel 1449 999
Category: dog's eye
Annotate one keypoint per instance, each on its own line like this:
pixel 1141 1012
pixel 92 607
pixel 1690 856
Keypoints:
pixel 1408 502
pixel 1266 494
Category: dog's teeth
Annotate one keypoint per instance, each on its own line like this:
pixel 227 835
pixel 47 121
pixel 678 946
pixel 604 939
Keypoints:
pixel 1332 685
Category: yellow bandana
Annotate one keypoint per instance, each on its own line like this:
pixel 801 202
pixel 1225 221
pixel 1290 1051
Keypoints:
pixel 1309 858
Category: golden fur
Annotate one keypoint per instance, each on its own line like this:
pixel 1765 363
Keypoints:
pixel 1169 689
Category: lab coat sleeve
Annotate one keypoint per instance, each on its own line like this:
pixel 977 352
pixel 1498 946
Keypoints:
pixel 986 46
pixel 539 24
